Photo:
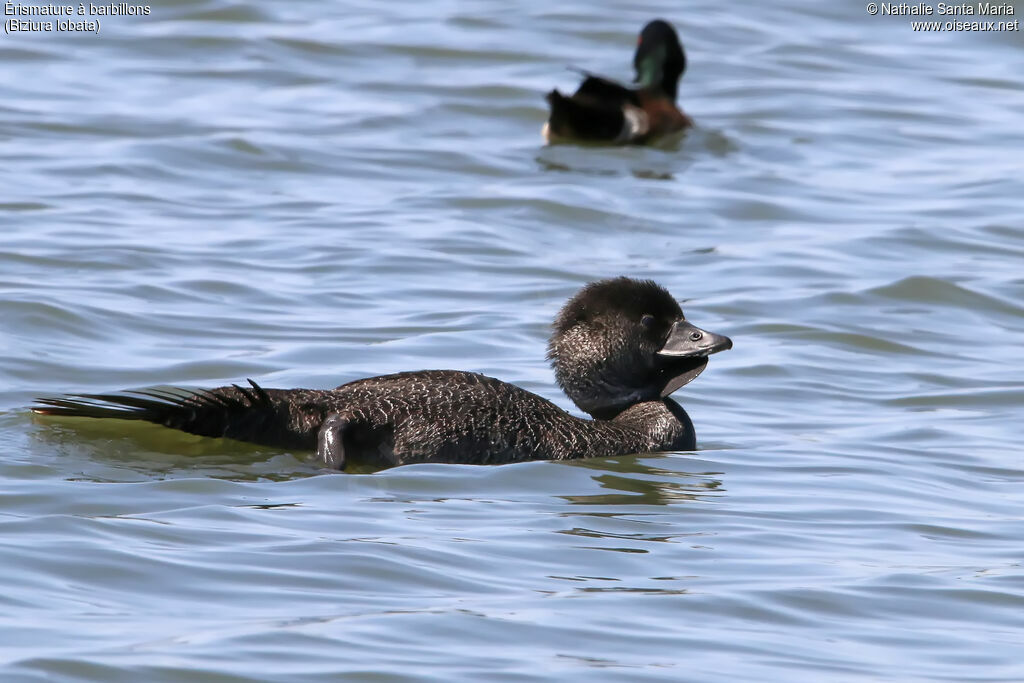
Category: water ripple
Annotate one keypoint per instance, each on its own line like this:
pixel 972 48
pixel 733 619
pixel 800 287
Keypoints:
pixel 306 194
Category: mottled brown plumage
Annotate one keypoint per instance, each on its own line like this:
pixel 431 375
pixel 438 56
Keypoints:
pixel 613 353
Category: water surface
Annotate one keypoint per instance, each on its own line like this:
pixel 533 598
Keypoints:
pixel 306 194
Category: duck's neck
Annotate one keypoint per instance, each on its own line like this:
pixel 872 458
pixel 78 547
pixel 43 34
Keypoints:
pixel 660 425
pixel 652 76
pixel 664 421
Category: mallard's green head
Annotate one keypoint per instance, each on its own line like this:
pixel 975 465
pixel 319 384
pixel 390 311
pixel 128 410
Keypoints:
pixel 659 60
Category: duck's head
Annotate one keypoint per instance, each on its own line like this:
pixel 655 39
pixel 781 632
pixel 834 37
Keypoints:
pixel 659 60
pixel 622 341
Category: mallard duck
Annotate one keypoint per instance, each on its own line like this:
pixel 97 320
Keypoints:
pixel 603 111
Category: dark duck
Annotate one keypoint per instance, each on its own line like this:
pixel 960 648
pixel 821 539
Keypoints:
pixel 603 111
pixel 619 348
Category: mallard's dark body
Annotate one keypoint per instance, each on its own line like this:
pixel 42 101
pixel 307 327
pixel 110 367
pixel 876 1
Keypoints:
pixel 603 111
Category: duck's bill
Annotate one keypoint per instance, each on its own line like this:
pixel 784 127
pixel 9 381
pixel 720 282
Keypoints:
pixel 686 352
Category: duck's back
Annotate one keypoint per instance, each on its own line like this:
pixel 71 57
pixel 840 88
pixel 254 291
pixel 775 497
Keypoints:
pixel 446 416
pixel 427 416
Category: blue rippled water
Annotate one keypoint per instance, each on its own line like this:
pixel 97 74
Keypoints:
pixel 307 193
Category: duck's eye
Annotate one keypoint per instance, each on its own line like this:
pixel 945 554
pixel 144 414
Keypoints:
pixel 647 321
pixel 695 336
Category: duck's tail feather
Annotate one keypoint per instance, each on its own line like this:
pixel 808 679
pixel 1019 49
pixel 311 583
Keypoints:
pixel 245 413
pixel 580 70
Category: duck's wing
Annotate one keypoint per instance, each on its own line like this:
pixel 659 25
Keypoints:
pixel 605 92
pixel 575 119
pixel 271 417
pixel 600 110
